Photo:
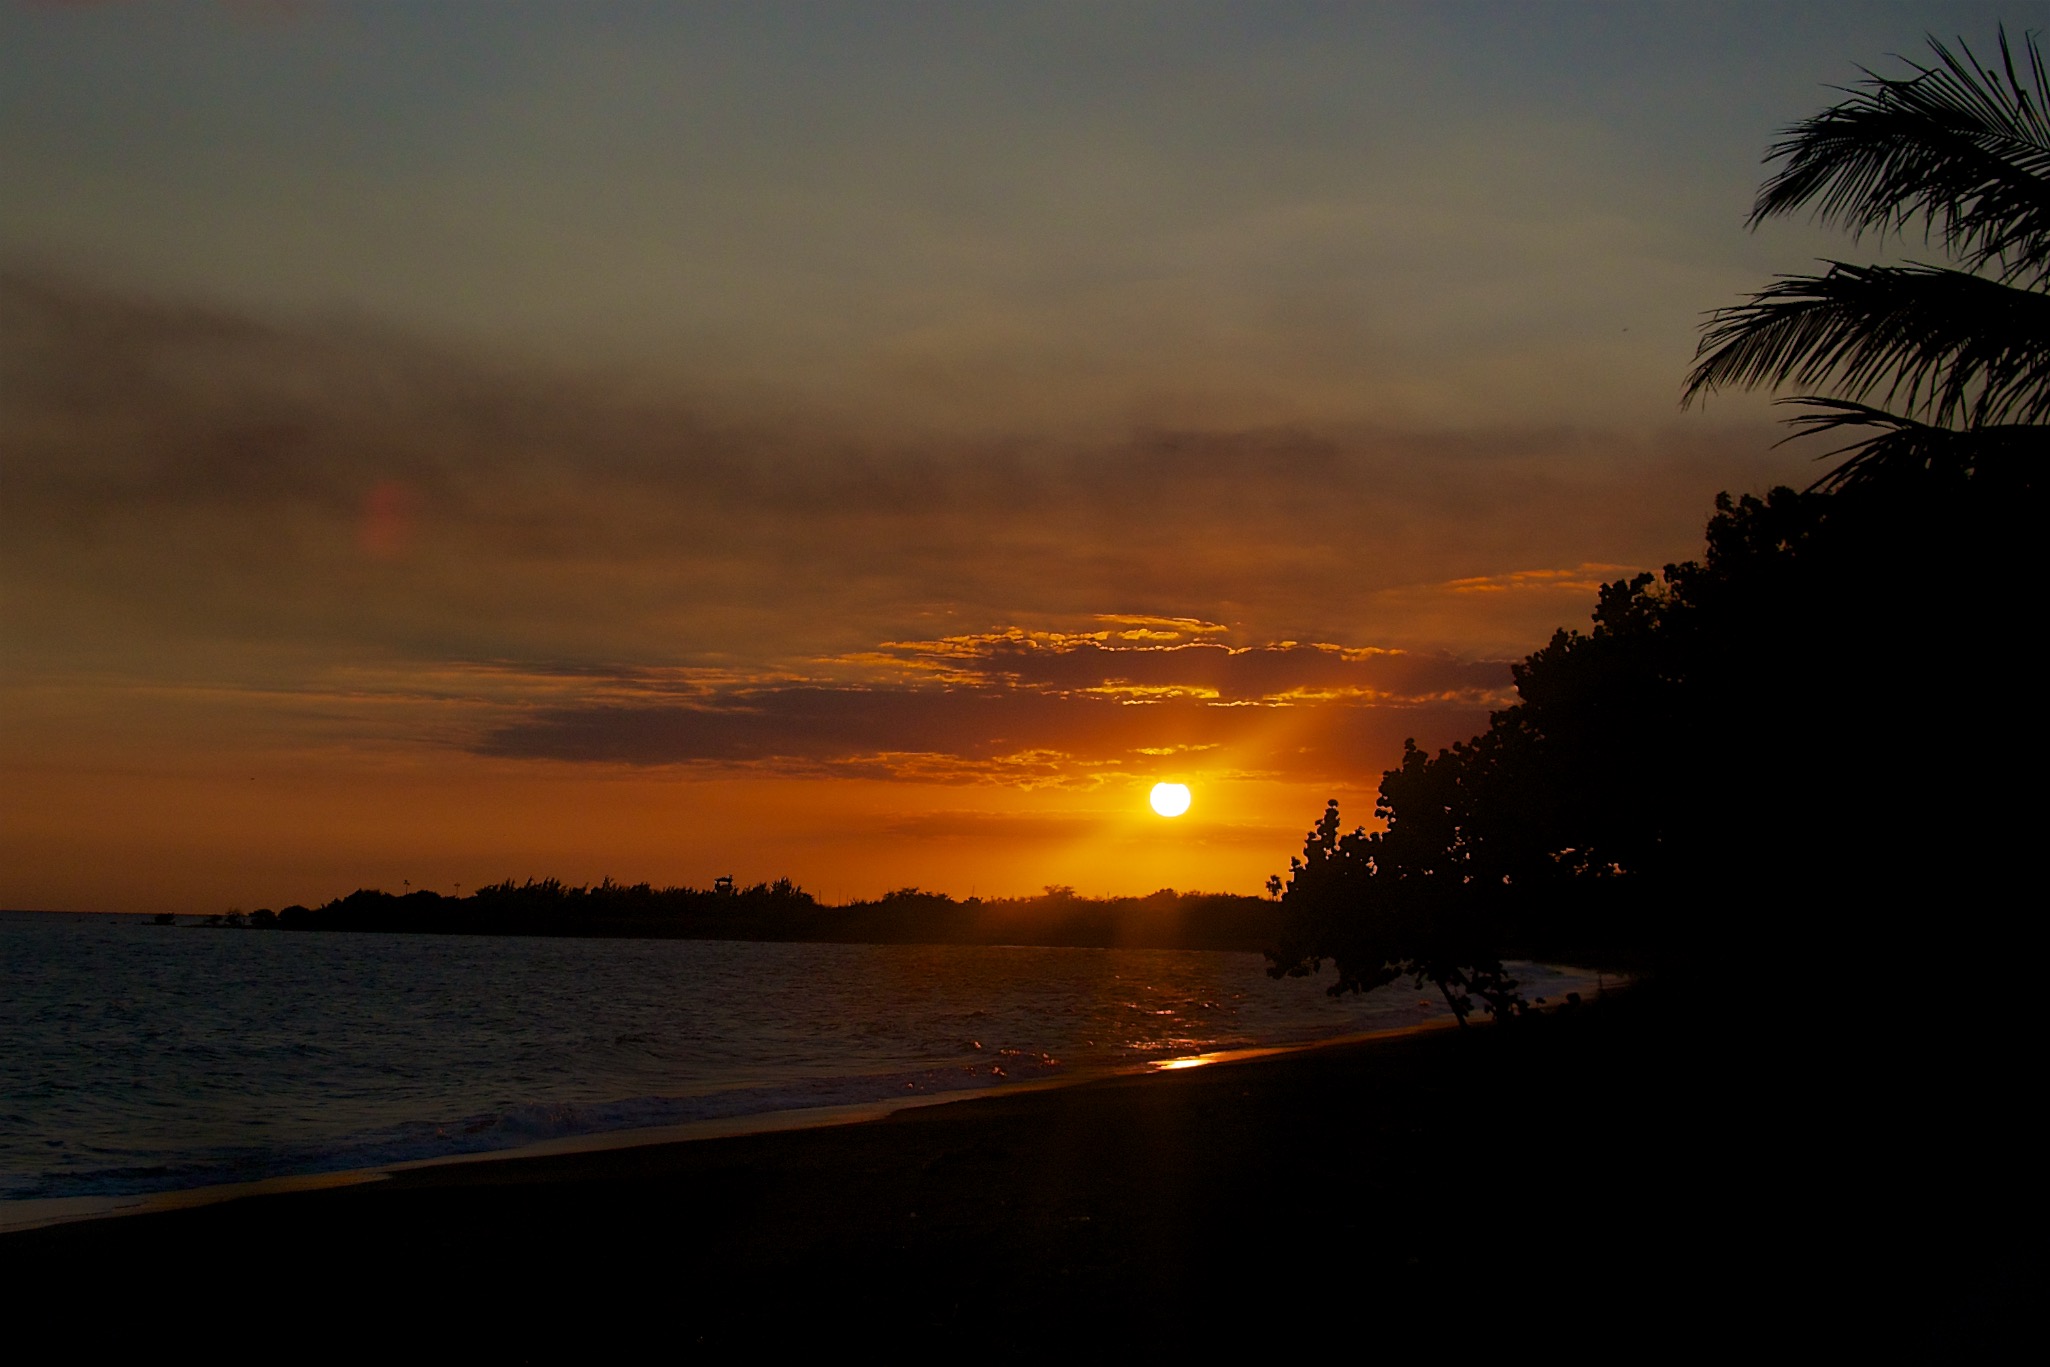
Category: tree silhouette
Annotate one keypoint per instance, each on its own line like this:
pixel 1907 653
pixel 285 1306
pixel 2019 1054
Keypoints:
pixel 1742 749
pixel 1957 356
pixel 1395 903
pixel 1799 749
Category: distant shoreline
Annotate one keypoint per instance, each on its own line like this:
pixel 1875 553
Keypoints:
pixel 24 1216
pixel 777 913
pixel 1212 922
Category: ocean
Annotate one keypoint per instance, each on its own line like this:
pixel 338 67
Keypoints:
pixel 139 1059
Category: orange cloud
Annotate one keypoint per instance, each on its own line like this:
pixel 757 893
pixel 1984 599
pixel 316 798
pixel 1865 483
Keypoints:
pixel 1035 707
pixel 570 583
pixel 1290 669
pixel 1584 580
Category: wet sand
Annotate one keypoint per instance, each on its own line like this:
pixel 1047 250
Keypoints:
pixel 1590 1180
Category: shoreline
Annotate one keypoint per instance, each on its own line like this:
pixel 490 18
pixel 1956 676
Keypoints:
pixel 1626 1173
pixel 43 1213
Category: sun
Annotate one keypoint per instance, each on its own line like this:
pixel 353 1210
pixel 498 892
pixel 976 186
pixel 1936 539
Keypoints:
pixel 1170 799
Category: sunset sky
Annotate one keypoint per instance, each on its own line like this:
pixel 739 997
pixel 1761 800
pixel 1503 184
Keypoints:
pixel 868 444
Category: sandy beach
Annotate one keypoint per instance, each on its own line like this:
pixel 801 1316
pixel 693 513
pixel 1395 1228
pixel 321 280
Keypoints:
pixel 1576 1183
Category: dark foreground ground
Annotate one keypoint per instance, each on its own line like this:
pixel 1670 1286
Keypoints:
pixel 1607 1181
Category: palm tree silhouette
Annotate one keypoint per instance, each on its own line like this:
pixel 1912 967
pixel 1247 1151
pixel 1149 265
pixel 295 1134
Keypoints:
pixel 1957 356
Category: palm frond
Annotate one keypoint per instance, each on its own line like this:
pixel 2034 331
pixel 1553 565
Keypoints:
pixel 1943 345
pixel 1902 448
pixel 1959 145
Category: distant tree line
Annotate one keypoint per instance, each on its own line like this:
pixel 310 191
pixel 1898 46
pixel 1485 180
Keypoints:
pixel 548 906
pixel 783 911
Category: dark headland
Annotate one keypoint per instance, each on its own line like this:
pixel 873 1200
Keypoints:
pixel 782 911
